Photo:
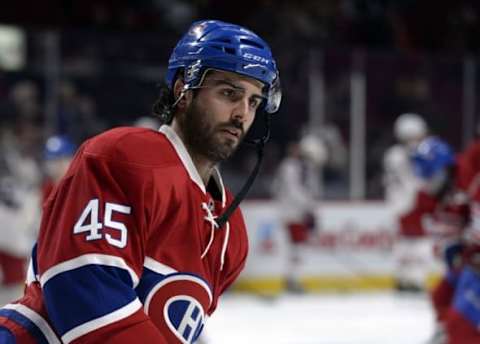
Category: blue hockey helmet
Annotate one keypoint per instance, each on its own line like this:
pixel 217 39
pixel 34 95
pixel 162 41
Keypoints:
pixel 57 147
pixel 431 156
pixel 213 44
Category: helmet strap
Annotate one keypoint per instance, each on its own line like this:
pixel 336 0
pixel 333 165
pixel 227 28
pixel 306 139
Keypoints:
pixel 259 145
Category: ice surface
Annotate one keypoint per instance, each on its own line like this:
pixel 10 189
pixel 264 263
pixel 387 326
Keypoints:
pixel 369 318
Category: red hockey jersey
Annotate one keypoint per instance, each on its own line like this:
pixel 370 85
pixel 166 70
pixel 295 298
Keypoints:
pixel 443 219
pixel 471 182
pixel 128 249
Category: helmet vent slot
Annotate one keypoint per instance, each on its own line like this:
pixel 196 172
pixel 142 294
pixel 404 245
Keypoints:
pixel 250 42
pixel 227 50
pixel 224 40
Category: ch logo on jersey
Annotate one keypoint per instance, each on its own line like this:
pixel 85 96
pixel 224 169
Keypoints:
pixel 185 316
pixel 178 305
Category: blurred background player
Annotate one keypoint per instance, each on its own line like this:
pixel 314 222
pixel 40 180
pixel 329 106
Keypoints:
pixel 442 206
pixel 296 188
pixel 401 186
pixel 57 155
pixel 147 122
pixel 462 319
pixel 19 199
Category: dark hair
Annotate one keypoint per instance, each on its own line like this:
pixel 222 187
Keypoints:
pixel 162 107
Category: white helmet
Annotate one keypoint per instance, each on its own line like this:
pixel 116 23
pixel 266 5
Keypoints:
pixel 409 126
pixel 313 149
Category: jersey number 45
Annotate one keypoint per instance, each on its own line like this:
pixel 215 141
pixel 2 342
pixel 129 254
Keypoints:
pixel 93 227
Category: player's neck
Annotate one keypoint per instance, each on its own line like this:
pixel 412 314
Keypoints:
pixel 203 165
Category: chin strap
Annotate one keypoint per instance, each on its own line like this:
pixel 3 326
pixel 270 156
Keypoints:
pixel 259 144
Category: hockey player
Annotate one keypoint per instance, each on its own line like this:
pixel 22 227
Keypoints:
pixel 296 189
pixel 462 321
pixel 141 237
pixel 453 225
pixel 442 209
pixel 19 199
pixel 401 187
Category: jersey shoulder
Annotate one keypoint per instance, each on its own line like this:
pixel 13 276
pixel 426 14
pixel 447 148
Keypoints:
pixel 132 145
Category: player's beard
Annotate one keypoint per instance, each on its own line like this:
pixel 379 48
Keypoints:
pixel 206 138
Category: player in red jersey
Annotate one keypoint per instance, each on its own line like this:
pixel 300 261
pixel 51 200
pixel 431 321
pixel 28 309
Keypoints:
pixel 141 237
pixel 462 321
pixel 455 297
pixel 442 210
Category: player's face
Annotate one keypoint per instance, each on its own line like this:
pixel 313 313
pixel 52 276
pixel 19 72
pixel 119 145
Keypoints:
pixel 220 115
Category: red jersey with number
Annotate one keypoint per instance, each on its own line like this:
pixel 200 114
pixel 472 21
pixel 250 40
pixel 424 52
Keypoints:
pixel 129 250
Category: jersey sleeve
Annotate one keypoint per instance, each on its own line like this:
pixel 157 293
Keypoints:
pixel 413 222
pixel 91 251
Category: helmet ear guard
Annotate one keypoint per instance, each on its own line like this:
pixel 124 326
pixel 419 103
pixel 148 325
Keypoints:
pixel 274 97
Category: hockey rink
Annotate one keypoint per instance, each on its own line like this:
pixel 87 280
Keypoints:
pixel 370 318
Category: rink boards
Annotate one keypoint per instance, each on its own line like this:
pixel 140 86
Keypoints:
pixel 352 248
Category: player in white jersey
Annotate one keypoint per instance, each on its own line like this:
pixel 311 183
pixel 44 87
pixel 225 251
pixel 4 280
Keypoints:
pixel 401 187
pixel 296 188
pixel 19 199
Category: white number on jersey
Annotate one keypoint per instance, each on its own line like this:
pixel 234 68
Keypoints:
pixel 93 226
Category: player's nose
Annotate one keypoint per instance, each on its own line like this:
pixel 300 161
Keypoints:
pixel 242 110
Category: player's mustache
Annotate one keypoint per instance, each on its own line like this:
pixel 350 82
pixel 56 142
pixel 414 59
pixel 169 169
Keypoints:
pixel 233 125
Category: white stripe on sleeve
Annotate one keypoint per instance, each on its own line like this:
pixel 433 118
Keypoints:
pixel 88 259
pixel 105 320
pixel 37 319
pixel 158 267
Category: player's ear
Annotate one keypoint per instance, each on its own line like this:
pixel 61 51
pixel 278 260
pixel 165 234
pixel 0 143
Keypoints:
pixel 179 93
pixel 178 87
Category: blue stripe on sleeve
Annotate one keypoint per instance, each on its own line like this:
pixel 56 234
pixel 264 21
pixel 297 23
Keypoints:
pixel 148 280
pixel 6 337
pixel 24 322
pixel 86 293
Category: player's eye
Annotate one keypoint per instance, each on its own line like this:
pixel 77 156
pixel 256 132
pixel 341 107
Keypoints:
pixel 254 103
pixel 231 93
